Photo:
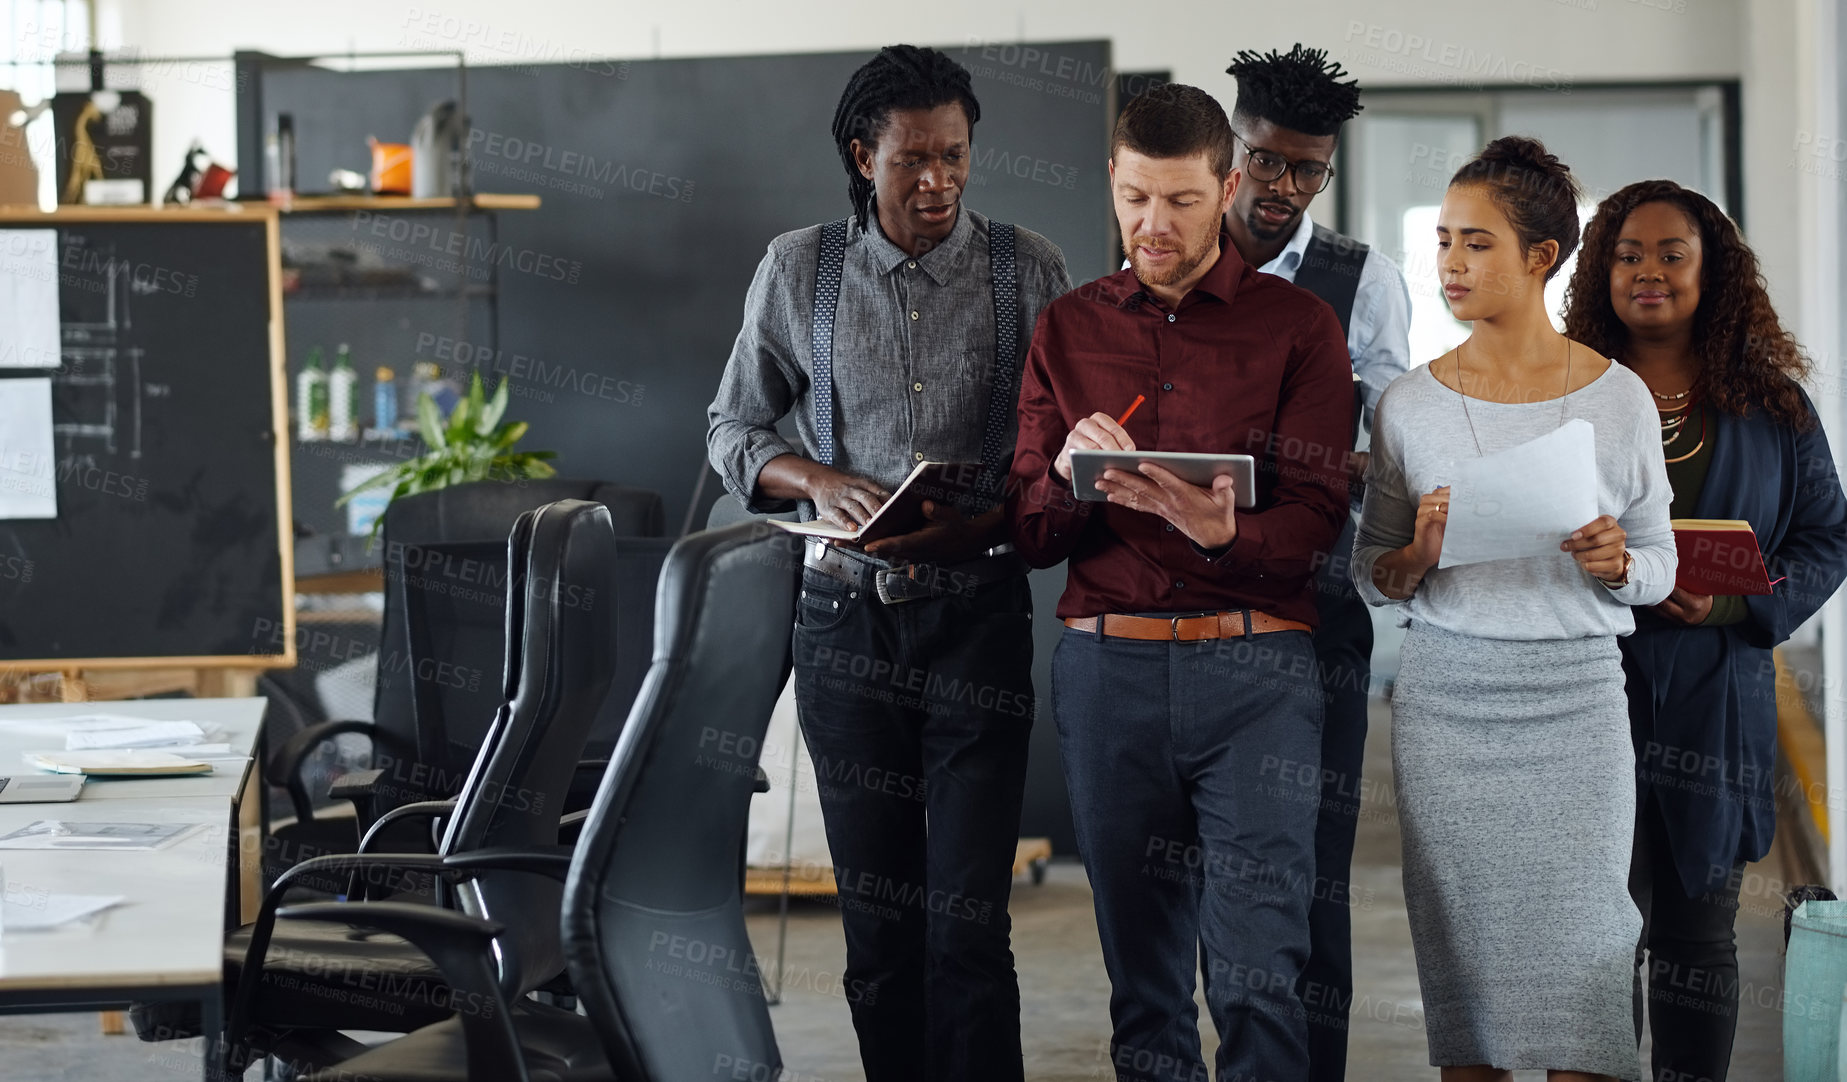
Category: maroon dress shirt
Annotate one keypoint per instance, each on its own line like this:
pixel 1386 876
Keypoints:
pixel 1246 363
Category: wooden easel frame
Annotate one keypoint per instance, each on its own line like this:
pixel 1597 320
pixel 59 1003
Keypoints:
pixel 243 214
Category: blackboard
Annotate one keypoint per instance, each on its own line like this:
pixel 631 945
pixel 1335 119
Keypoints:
pixel 171 543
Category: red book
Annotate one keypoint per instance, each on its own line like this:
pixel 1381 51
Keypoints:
pixel 1719 556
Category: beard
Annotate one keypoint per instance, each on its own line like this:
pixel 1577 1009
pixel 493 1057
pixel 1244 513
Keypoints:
pixel 1191 256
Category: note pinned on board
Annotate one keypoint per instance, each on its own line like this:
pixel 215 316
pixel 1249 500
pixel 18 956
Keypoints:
pixel 29 333
pixel 1523 501
pixel 28 472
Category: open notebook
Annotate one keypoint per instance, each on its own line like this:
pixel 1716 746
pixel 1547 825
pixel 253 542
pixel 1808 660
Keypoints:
pixel 938 482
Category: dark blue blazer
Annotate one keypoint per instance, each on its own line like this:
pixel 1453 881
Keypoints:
pixel 1702 701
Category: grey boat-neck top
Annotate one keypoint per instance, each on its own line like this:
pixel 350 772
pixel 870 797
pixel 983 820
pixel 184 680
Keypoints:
pixel 1421 432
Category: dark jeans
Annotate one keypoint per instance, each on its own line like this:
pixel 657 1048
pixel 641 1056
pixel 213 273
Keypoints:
pixel 1691 963
pixel 1343 649
pixel 917 716
pixel 1194 771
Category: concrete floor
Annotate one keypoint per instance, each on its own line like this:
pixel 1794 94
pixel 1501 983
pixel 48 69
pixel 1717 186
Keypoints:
pixel 1064 988
pixel 1065 991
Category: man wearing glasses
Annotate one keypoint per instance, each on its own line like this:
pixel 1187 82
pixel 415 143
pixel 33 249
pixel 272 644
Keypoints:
pixel 1287 123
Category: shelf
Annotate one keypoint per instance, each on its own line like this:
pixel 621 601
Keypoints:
pixel 382 293
pixel 341 204
pixel 298 205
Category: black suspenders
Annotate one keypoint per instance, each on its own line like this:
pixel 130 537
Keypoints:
pixel 1006 346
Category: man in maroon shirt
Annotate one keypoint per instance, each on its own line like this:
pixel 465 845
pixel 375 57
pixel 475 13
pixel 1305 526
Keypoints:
pixel 1184 687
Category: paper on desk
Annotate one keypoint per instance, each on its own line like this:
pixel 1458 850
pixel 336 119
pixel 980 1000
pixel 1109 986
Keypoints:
pixel 60 834
pixel 82 731
pixel 28 472
pixel 134 733
pixel 1522 501
pixel 29 333
pixel 31 911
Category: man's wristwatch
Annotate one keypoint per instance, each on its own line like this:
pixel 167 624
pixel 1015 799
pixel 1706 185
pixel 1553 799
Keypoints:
pixel 1628 565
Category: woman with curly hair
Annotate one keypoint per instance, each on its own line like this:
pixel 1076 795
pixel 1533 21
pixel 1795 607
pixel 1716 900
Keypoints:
pixel 1668 288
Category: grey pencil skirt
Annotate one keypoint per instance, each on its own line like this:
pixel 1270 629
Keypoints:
pixel 1516 796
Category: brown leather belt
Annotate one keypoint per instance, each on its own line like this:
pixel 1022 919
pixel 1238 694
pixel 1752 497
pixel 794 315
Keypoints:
pixel 1235 624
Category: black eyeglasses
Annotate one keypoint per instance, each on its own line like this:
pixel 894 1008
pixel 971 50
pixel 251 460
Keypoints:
pixel 1266 165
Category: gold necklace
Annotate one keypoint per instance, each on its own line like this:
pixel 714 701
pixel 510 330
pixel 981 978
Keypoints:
pixel 1676 435
pixel 1463 392
pixel 1673 418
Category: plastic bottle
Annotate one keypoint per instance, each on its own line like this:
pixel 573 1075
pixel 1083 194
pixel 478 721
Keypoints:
pixel 311 399
pixel 384 401
pixel 343 397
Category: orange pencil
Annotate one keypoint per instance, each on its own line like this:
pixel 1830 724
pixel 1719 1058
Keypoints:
pixel 1126 414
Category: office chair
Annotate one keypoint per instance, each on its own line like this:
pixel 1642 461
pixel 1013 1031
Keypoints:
pixel 443 637
pixel 653 926
pixel 291 985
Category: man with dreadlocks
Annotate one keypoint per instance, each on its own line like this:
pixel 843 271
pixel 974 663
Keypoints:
pixel 895 337
pixel 1287 123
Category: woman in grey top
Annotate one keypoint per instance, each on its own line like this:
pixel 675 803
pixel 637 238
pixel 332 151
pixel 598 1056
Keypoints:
pixel 1510 742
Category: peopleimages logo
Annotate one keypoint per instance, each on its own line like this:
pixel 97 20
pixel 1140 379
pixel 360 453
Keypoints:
pixel 526 155
pixel 475 253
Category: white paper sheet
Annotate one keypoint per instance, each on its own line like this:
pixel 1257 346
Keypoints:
pixel 31 911
pixel 114 731
pixel 28 473
pixel 1522 501
pixel 29 334
pixel 135 733
pixel 110 837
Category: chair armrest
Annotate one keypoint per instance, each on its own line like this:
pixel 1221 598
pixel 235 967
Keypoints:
pixel 554 861
pixel 460 946
pixel 284 766
pixel 355 785
pixel 237 1020
pixel 422 809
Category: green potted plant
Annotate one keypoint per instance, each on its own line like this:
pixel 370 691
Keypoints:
pixel 472 445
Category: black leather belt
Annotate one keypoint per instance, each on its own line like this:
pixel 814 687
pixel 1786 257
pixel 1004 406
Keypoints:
pixel 912 582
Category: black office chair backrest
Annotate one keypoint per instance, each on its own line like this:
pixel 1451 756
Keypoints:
pixel 653 922
pixel 638 574
pixel 443 634
pixel 558 676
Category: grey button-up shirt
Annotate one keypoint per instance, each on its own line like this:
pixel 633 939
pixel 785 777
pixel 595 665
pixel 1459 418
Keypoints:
pixel 913 355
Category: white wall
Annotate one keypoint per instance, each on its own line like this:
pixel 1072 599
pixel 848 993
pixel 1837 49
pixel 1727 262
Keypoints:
pixel 1558 45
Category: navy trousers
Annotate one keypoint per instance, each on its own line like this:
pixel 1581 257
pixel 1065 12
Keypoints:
pixel 1194 772
pixel 917 716
pixel 1343 649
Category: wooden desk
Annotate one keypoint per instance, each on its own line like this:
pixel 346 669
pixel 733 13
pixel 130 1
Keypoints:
pixel 166 940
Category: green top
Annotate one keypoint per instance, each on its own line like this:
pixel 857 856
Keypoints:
pixel 1687 478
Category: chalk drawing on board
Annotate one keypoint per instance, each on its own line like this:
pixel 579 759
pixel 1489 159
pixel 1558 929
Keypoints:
pixel 99 384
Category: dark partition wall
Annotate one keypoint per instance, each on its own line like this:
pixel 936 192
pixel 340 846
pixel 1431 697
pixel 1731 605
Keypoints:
pixel 663 182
